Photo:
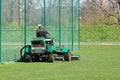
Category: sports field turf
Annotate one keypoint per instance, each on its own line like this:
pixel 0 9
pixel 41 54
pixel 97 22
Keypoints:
pixel 97 63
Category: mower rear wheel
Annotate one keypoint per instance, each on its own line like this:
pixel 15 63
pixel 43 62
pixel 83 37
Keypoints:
pixel 27 57
pixel 51 57
pixel 67 56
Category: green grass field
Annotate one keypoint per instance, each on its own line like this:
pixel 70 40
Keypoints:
pixel 97 63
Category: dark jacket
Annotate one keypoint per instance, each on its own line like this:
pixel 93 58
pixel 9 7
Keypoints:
pixel 41 32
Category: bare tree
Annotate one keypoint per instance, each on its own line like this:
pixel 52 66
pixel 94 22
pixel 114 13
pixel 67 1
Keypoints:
pixel 11 10
pixel 119 12
pixel 103 10
pixel 29 7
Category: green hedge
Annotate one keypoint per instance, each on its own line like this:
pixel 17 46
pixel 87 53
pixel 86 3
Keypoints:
pixel 100 33
pixel 90 33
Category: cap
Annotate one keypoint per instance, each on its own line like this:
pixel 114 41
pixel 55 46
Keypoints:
pixel 39 25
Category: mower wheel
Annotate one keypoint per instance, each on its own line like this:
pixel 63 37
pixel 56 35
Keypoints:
pixel 51 57
pixel 27 58
pixel 67 56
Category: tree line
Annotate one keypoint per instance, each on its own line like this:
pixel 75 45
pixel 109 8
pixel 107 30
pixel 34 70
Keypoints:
pixel 13 12
pixel 100 12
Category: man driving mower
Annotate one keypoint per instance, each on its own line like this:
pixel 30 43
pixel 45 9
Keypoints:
pixel 41 32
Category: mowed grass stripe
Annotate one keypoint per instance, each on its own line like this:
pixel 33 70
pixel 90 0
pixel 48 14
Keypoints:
pixel 97 63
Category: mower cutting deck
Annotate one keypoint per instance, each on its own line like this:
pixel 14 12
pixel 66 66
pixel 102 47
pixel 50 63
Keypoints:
pixel 42 49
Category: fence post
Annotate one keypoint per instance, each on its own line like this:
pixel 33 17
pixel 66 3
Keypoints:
pixel 24 22
pixel 0 29
pixel 79 23
pixel 72 24
pixel 60 23
pixel 44 13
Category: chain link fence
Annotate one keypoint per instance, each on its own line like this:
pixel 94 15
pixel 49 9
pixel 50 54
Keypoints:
pixel 19 20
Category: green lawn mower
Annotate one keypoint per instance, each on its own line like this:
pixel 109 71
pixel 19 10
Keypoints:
pixel 42 49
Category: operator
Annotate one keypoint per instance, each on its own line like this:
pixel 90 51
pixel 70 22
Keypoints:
pixel 41 32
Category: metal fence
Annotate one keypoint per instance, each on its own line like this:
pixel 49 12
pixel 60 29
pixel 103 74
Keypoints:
pixel 19 20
